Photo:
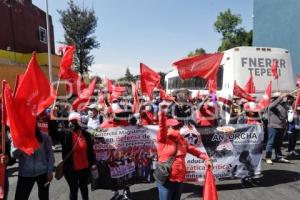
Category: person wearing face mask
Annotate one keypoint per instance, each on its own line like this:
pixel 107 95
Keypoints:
pixel 277 122
pixel 147 115
pixel 170 141
pixel 78 155
pixel 94 119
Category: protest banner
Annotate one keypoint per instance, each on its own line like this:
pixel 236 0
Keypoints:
pixel 127 155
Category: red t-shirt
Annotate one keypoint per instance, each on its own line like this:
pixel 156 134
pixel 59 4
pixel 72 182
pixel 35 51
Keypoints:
pixel 80 158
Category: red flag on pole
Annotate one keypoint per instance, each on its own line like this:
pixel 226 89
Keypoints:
pixel 75 84
pixel 266 98
pixel 163 95
pixel 109 85
pixel 135 94
pixel 35 90
pixel 297 102
pixel 250 87
pixel 209 188
pixel 101 98
pixel 3 136
pixel 239 92
pixel 66 63
pixel 84 98
pixel 19 79
pixel 149 80
pixel 205 66
pixel 275 69
pixel 21 114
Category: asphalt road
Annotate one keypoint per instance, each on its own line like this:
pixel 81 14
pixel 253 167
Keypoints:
pixel 279 182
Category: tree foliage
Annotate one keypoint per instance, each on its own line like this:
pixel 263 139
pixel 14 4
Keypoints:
pixel 80 25
pixel 228 24
pixel 197 52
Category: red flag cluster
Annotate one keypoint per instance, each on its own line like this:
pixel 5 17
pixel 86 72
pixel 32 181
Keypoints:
pixel 33 95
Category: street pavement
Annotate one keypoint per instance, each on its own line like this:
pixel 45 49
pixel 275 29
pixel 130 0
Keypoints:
pixel 280 181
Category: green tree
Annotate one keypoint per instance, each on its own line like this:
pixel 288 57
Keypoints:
pixel 228 24
pixel 128 76
pixel 80 25
pixel 197 52
pixel 162 78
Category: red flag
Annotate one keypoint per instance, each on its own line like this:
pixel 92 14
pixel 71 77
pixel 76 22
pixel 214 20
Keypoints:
pixel 298 81
pixel 135 94
pixel 35 90
pixel 19 79
pixel 209 188
pixel 212 85
pixel 3 122
pixel 75 84
pixel 239 92
pixel 84 98
pixel 266 98
pixel 250 87
pixel 66 62
pixel 149 80
pixel 101 98
pixel 21 115
pixel 109 85
pixel 275 69
pixel 205 66
pixel 164 96
pixel 118 89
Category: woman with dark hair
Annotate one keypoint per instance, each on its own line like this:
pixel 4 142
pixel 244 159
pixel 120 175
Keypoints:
pixel 170 143
pixel 78 155
pixel 37 167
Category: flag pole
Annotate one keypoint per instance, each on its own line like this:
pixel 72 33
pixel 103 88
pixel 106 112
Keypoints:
pixel 48 44
pixel 3 135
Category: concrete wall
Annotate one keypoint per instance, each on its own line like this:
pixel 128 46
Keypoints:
pixel 277 24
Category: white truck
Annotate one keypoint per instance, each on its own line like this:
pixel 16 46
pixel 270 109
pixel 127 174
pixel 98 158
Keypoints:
pixel 237 65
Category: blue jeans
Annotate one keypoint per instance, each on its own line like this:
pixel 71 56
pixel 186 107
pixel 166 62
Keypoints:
pixel 169 190
pixel 275 136
pixel 293 137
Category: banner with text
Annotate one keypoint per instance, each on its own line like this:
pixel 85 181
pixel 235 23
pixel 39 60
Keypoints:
pixel 127 155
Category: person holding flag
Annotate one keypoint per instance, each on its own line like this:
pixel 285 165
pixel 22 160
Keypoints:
pixel 36 167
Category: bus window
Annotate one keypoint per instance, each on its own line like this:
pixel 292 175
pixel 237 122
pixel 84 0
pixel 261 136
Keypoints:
pixel 194 83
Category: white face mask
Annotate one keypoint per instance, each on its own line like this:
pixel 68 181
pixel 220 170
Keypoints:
pixel 211 104
pixel 90 113
pixel 148 108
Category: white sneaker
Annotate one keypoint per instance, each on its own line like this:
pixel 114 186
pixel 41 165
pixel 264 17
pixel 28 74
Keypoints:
pixel 269 161
pixel 283 160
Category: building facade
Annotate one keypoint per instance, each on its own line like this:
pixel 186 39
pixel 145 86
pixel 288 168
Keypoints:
pixel 23 27
pixel 277 24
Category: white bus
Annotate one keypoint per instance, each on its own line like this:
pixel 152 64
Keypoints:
pixel 237 64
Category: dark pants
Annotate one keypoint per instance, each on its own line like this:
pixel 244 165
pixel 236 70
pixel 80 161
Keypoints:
pixel 275 137
pixel 6 186
pixel 78 180
pixel 169 190
pixel 293 140
pixel 25 185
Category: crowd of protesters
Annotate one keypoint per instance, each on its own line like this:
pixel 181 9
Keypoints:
pixel 74 131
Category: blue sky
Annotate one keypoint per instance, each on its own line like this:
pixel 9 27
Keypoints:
pixel 155 32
